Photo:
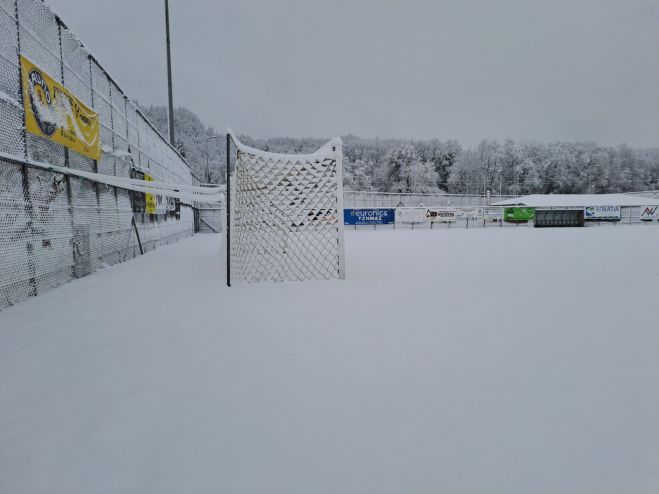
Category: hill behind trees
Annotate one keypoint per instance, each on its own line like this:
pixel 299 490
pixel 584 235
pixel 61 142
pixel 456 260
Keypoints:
pixel 434 165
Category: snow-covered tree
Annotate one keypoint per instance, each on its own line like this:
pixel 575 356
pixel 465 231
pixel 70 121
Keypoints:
pixel 406 172
pixel 200 145
pixel 434 165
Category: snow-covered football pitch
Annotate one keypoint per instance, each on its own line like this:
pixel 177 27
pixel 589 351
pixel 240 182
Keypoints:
pixel 512 360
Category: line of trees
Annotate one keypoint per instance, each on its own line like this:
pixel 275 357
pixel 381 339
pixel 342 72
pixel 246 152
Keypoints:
pixel 397 165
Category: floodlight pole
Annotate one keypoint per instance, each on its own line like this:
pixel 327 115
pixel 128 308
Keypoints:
pixel 208 169
pixel 169 78
pixel 227 202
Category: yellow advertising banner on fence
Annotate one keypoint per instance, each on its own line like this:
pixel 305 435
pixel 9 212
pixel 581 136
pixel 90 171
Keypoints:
pixel 53 112
pixel 151 203
pixel 155 203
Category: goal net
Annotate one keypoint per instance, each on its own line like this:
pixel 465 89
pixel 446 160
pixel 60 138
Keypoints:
pixel 286 215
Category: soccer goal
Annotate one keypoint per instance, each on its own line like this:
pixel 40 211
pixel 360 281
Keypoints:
pixel 284 214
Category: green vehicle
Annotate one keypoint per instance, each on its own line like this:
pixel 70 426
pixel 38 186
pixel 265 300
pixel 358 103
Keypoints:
pixel 518 215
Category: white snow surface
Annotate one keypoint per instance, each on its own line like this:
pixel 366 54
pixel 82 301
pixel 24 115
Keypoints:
pixel 510 360
pixel 577 200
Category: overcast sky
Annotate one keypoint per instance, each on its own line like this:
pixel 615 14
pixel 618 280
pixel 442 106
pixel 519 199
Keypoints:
pixel 461 69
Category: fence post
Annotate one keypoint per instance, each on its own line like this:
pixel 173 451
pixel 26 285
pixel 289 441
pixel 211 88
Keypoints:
pixel 91 92
pixel 95 184
pixel 25 178
pixel 132 164
pixel 227 201
pixel 114 172
pixel 67 180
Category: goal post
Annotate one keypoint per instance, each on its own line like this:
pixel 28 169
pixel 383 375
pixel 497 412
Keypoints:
pixel 284 214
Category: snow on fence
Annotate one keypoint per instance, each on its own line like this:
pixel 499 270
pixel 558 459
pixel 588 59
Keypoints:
pixel 53 227
pixel 369 199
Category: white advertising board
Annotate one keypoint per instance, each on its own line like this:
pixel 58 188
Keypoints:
pixel 410 215
pixel 424 215
pixel 441 214
pixel 649 213
pixel 602 213
pixel 492 214
pixel 470 213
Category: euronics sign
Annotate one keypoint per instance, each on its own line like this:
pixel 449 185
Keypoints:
pixel 602 213
pixel 368 216
pixel 518 214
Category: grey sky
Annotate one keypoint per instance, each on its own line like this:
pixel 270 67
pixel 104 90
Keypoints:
pixel 463 69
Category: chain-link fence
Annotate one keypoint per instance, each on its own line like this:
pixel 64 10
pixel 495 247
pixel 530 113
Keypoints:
pixel 53 227
pixel 368 199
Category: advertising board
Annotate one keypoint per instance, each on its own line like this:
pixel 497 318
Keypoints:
pixel 425 215
pixel 441 214
pixel 470 213
pixel 368 216
pixel 517 214
pixel 649 213
pixel 492 214
pixel 602 213
pixel 55 113
pixel 155 203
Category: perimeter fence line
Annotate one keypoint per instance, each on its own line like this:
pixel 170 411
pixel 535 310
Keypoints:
pixel 371 199
pixel 54 227
pixel 486 217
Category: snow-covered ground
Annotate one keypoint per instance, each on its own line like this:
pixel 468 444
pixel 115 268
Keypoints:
pixel 451 361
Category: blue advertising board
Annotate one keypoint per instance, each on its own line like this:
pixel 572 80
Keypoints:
pixel 368 216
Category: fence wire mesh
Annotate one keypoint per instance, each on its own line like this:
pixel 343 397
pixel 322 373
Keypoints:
pixel 55 228
pixel 372 199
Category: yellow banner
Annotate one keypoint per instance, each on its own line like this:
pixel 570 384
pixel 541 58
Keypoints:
pixel 151 203
pixel 53 112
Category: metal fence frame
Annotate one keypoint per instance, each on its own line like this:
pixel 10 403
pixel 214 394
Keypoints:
pixel 54 228
pixel 372 199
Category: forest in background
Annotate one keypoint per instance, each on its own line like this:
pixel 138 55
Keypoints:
pixel 434 165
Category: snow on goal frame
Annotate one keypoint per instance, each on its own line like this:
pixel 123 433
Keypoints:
pixel 285 214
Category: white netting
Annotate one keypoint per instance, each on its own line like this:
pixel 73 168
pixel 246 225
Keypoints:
pixel 287 215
